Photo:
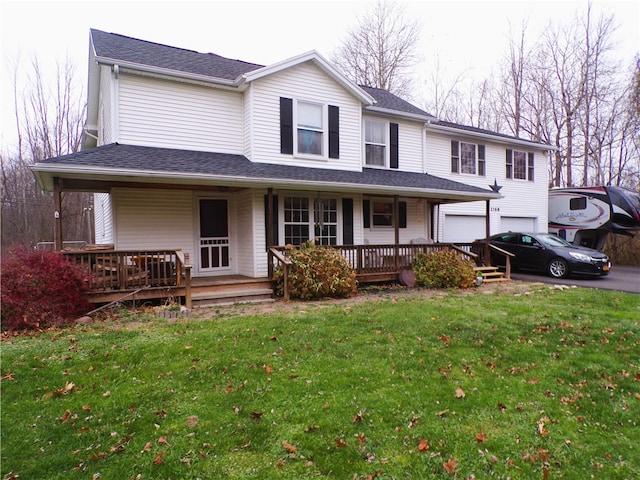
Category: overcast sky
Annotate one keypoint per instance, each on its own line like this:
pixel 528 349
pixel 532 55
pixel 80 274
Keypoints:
pixel 467 35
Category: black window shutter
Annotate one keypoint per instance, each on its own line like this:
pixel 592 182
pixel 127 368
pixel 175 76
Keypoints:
pixel 347 221
pixel 402 214
pixel 275 220
pixel 366 217
pixel 509 163
pixel 393 145
pixel 454 156
pixel 481 160
pixel 286 125
pixel 334 131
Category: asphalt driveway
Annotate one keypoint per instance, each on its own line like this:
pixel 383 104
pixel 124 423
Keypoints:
pixel 622 278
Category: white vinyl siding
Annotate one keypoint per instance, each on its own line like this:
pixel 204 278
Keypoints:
pixel 177 115
pixel 410 143
pixel 106 108
pixel 521 199
pixel 410 147
pixel 245 233
pixel 303 83
pixel 154 219
pixel 103 218
pixel 417 224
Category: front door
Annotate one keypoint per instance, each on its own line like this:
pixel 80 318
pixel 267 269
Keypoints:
pixel 214 235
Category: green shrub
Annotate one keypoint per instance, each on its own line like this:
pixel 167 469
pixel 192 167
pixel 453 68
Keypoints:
pixel 41 289
pixel 317 272
pixel 443 269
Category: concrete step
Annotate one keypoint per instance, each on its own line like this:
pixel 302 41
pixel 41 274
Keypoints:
pixel 232 296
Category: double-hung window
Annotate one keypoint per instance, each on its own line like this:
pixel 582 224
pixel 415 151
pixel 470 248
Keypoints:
pixel 380 144
pixel 375 143
pixel 309 129
pixel 467 158
pixel 519 165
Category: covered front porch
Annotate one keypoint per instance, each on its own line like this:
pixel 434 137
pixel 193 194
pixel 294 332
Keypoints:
pixel 223 216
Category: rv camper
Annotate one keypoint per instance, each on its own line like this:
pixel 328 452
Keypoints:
pixel 586 215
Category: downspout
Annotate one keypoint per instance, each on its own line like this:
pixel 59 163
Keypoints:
pixel 57 214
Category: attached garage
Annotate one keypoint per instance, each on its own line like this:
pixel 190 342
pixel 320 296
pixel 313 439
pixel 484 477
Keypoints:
pixel 517 224
pixel 463 228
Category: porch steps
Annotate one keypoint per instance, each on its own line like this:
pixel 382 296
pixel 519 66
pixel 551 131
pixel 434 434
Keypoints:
pixel 491 274
pixel 231 291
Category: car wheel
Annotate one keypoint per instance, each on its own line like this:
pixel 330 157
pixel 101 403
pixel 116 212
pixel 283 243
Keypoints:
pixel 558 268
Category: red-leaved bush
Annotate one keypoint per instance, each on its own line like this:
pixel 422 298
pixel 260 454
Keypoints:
pixel 41 289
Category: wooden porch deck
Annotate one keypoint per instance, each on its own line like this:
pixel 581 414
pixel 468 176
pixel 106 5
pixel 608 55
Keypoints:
pixel 166 275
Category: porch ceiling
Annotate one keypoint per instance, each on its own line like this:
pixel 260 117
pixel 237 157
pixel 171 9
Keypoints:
pixel 101 168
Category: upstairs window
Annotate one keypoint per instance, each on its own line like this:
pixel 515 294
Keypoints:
pixel 519 165
pixel 309 129
pixel 375 143
pixel 467 158
pixel 381 144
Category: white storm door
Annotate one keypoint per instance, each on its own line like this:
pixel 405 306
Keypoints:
pixel 214 235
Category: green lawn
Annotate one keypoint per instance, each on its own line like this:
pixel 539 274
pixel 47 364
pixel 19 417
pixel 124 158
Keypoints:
pixel 537 384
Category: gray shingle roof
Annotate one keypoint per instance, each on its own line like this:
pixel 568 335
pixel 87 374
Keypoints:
pixel 127 49
pixel 386 99
pixel 118 158
pixel 469 128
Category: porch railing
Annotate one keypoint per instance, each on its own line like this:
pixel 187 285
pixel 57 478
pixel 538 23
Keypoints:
pixel 125 270
pixel 383 259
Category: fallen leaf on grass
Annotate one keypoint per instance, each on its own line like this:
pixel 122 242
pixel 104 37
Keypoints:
pixel 65 418
pixel 450 465
pixel 192 421
pixel 481 437
pixel 158 460
pixel 289 448
pixel 358 418
pixel 541 429
pixel 460 393
pixel 268 369
pixel 147 447
pixel 423 446
pixel 340 443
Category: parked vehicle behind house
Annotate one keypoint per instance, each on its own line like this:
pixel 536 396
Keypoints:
pixel 550 254
pixel 584 216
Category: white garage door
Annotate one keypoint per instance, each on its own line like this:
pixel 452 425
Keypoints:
pixel 517 224
pixel 463 228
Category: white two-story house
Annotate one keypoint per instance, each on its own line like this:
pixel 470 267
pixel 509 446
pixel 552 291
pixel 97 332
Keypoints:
pixel 222 158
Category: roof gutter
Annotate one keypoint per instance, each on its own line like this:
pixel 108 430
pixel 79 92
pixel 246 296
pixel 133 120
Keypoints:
pixel 494 138
pixel 398 113
pixel 165 72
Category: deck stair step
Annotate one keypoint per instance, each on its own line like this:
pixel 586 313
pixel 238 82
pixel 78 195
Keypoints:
pixel 491 274
pixel 231 296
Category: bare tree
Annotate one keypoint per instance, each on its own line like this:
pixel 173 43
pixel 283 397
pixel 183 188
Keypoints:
pixel 49 118
pixel 382 49
pixel 443 95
